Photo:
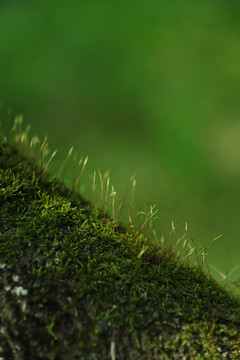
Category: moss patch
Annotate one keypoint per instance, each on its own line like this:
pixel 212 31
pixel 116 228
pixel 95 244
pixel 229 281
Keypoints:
pixel 76 285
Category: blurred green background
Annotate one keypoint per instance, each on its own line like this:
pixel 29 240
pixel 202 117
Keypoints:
pixel 145 87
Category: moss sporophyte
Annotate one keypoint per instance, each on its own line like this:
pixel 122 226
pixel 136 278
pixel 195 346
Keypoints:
pixel 82 282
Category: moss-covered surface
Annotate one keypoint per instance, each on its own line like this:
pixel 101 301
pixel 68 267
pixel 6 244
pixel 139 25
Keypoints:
pixel 75 285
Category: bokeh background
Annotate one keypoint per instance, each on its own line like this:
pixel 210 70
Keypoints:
pixel 145 87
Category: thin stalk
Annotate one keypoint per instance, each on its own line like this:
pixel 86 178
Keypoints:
pixel 67 158
pixel 106 197
pixel 45 169
pixel 93 187
pixel 79 177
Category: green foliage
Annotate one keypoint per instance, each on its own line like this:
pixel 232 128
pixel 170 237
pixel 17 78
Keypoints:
pixel 124 286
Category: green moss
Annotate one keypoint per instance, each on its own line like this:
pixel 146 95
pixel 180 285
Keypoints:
pixel 77 285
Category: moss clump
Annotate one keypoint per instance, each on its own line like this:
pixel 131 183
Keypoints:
pixel 76 285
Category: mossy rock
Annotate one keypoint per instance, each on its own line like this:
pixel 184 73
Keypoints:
pixel 76 285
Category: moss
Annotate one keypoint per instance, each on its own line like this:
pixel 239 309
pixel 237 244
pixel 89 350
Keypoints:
pixel 77 285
